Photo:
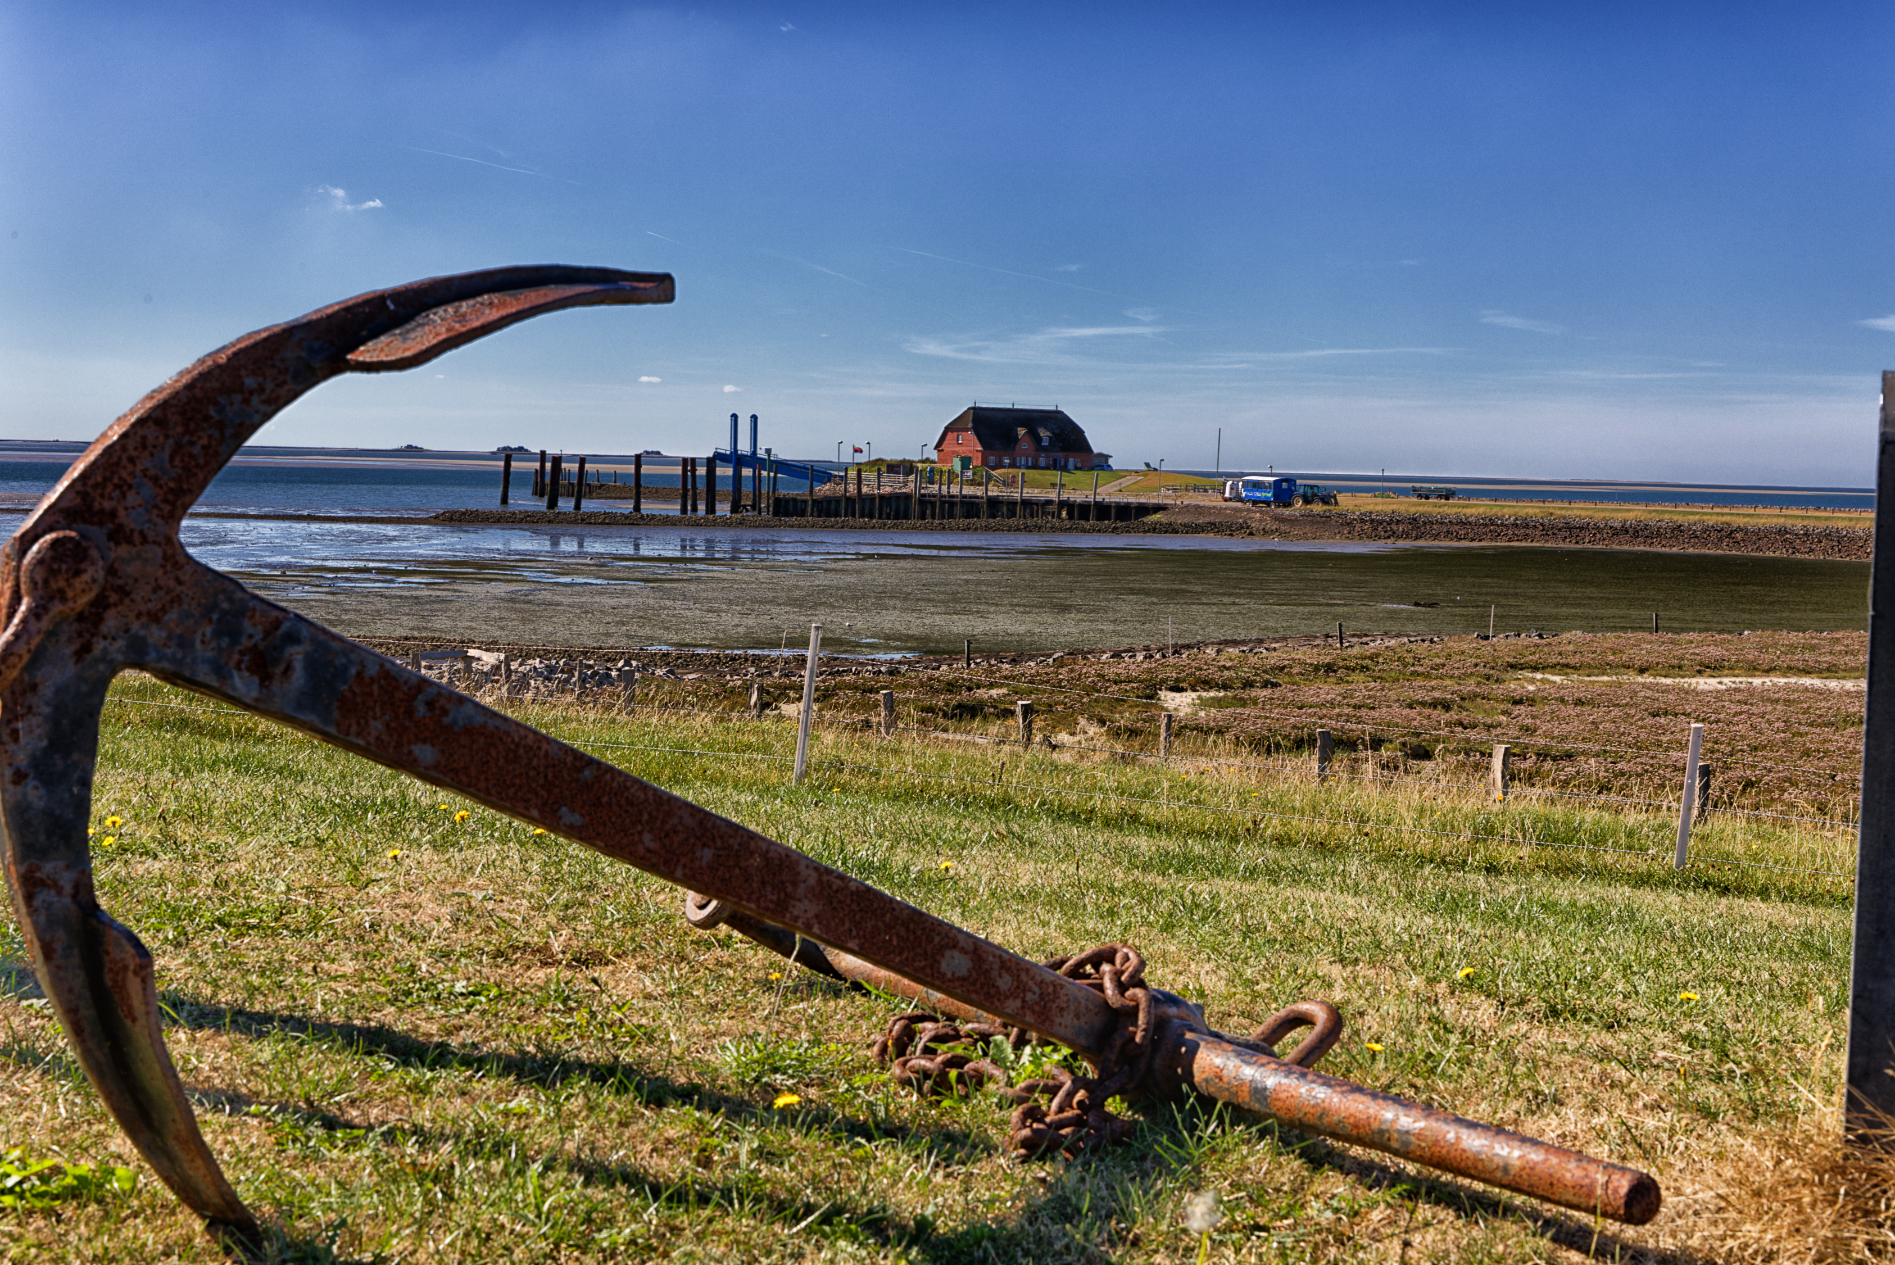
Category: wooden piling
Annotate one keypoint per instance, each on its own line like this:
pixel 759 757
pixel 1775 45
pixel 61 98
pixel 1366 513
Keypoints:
pixel 638 484
pixel 506 475
pixel 552 484
pixel 539 477
pixel 710 485
pixel 579 487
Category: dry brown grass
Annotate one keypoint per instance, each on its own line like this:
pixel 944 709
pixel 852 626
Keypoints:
pixel 1795 1196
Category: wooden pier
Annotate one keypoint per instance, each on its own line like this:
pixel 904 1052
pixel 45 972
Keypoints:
pixel 952 503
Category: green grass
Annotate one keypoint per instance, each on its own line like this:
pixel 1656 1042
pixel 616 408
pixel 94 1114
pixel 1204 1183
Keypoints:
pixel 494 1044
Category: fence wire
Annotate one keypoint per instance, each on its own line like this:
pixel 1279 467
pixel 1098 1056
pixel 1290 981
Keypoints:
pixel 998 782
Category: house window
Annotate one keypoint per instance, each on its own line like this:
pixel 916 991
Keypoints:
pixel 961 438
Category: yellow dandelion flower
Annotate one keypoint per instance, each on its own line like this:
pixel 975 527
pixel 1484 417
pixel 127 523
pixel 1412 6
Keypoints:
pixel 108 841
pixel 393 853
pixel 91 831
pixel 1467 972
pixel 113 823
pixel 786 1100
pixel 460 816
pixel 1373 1045
pixel 442 807
pixel 538 831
pixel 947 865
pixel 1687 996
pixel 775 975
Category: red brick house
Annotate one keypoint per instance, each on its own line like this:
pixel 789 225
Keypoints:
pixel 1035 438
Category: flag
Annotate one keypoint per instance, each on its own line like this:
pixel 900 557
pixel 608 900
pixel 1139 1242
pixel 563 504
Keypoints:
pixel 854 449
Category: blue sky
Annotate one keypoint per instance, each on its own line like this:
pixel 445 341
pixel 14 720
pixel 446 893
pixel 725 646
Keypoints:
pixel 1595 241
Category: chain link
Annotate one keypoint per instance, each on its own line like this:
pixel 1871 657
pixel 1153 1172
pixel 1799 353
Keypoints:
pixel 1056 1113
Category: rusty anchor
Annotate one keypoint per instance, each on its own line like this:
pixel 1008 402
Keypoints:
pixel 96 581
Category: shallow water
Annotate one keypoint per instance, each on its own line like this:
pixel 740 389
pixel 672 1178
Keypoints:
pixel 909 592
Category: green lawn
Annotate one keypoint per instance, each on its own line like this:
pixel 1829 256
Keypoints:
pixel 417 1038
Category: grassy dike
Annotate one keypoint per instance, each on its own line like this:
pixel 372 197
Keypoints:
pixel 414 1036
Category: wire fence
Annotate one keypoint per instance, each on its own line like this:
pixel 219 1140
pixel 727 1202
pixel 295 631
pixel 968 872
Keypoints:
pixel 1015 787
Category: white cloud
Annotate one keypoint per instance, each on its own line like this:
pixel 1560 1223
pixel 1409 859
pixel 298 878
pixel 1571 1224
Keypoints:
pixel 649 378
pixel 1048 346
pixel 1142 313
pixel 339 199
pixel 730 390
pixel 1508 321
pixel 1886 323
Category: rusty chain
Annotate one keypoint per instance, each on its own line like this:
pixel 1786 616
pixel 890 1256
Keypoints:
pixel 1062 1112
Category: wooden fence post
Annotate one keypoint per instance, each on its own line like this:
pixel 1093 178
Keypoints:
pixel 1023 712
pixel 967 652
pixel 1704 789
pixel 1870 1101
pixel 888 713
pixel 1688 800
pixel 1502 759
pixel 1325 751
pixel 1164 737
pixel 809 704
pixel 1339 644
pixel 756 701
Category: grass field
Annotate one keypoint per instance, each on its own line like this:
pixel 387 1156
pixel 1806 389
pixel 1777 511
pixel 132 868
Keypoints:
pixel 1749 515
pixel 415 1037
